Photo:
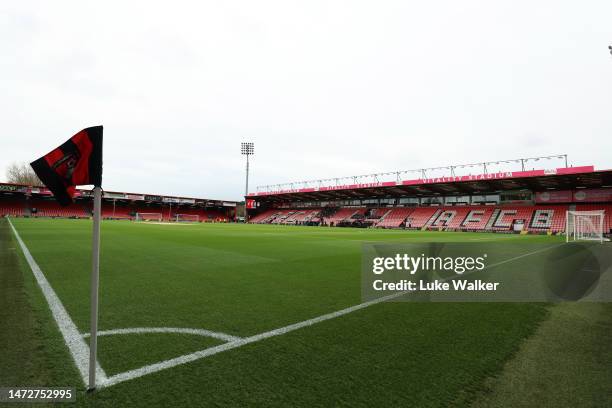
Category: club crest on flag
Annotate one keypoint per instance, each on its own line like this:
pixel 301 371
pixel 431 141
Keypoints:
pixel 65 166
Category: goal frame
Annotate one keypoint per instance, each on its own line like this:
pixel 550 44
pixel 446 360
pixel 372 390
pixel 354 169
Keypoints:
pixel 139 215
pixel 577 223
pixel 197 217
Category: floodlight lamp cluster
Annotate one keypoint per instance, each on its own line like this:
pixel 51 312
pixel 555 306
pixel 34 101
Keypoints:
pixel 247 148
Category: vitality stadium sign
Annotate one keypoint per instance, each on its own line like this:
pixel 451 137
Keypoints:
pixel 450 179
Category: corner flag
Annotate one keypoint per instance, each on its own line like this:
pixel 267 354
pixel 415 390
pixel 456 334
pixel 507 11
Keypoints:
pixel 76 162
pixel 79 162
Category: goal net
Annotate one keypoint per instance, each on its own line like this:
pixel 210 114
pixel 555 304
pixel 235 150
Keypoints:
pixel 149 217
pixel 584 225
pixel 187 218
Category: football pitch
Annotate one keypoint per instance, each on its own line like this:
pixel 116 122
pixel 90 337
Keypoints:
pixel 243 315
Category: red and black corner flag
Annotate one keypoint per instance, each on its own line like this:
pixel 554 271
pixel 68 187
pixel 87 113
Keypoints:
pixel 76 162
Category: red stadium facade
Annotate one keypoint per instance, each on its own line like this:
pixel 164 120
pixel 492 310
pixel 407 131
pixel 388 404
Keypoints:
pixel 533 201
pixel 27 201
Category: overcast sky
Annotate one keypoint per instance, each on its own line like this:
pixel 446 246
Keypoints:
pixel 323 88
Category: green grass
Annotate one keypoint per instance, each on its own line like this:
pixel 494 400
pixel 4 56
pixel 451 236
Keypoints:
pixel 243 280
pixel 567 363
pixel 20 342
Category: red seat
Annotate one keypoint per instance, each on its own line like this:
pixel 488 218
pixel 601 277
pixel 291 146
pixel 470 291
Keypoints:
pixel 14 208
pixel 50 208
pixel 394 217
pixel 420 216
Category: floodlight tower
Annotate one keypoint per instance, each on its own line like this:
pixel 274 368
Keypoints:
pixel 247 149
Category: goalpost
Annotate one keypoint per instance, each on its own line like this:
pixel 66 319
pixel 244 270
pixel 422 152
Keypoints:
pixel 584 225
pixel 149 217
pixel 187 218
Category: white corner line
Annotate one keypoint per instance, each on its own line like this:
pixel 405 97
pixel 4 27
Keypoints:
pixel 187 358
pixel 179 330
pixel 74 341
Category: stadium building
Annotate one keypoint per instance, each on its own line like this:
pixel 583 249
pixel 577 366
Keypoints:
pixel 27 201
pixel 510 201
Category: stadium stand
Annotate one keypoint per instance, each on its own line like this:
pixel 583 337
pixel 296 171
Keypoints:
pixel 128 212
pixel 301 216
pixel 477 218
pixel 548 218
pixel 421 216
pixel 281 216
pixel 450 218
pixel 512 200
pixel 468 208
pixel 119 212
pixel 394 217
pixel 377 213
pixel 262 217
pixel 49 208
pixel 325 212
pixel 534 218
pixel 343 214
pixel 27 201
pixel 507 217
pixel 14 208
pixel 210 214
pixel 204 215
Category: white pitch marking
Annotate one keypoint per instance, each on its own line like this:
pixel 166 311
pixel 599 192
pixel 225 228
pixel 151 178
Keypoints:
pixel 76 345
pixel 187 358
pixel 153 368
pixel 181 330
pixel 139 372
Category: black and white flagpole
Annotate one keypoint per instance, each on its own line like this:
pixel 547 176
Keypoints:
pixel 95 273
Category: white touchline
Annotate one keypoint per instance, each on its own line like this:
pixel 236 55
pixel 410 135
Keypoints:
pixel 187 358
pixel 77 346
